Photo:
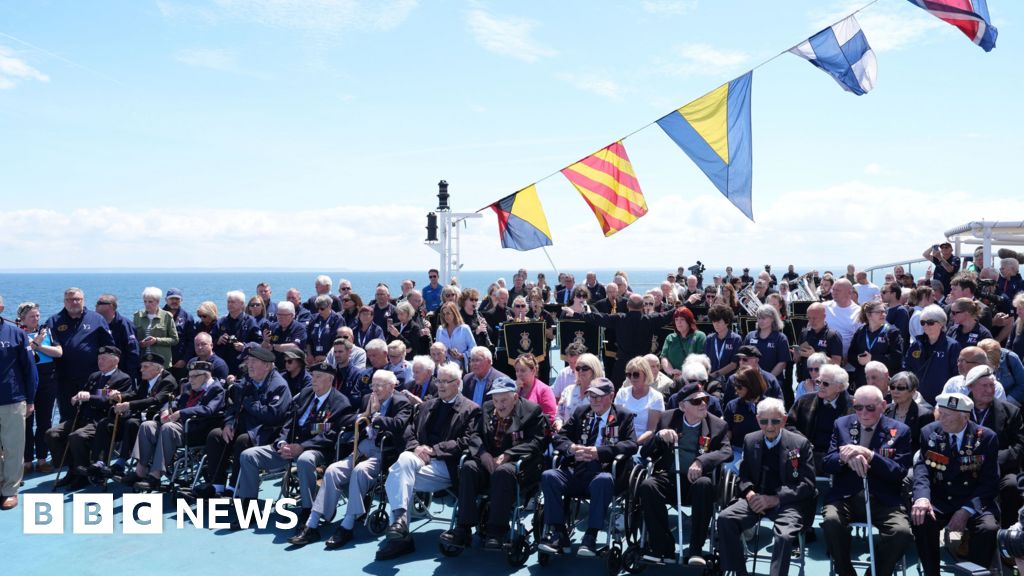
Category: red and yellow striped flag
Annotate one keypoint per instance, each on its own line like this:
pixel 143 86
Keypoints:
pixel 607 183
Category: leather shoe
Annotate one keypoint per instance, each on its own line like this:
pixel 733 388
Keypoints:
pixel 67 480
pixel 340 537
pixel 9 502
pixel 206 491
pixel 303 517
pixel 460 536
pixel 306 536
pixel 398 530
pixel 43 467
pixel 394 548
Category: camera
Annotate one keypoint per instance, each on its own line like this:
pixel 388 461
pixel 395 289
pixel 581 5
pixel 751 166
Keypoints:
pixel 1011 541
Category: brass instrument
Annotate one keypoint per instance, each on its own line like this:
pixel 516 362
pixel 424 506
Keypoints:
pixel 748 299
pixel 805 290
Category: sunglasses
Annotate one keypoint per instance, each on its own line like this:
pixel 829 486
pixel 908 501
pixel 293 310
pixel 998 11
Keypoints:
pixel 583 368
pixel 519 306
pixel 863 407
pixel 697 401
pixel 767 421
pixel 900 388
pixel 822 383
pixel 929 322
pixel 702 382
pixel 634 374
pixel 813 369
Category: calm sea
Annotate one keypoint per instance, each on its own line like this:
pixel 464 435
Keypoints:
pixel 46 289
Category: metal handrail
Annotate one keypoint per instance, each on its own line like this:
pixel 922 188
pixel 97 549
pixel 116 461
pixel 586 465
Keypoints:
pixel 907 264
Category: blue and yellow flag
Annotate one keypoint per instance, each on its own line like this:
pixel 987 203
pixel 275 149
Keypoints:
pixel 714 131
pixel 521 221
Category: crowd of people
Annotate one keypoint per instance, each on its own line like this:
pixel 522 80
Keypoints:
pixel 776 382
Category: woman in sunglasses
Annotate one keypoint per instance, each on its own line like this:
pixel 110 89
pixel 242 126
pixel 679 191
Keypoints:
pixel 932 357
pixel 741 412
pixel 351 303
pixel 206 318
pixel 587 368
pixel 967 330
pixel 639 397
pixel 257 309
pixel 908 407
pixel 875 340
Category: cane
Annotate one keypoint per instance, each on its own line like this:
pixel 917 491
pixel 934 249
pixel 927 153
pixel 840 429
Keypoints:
pixel 67 444
pixel 871 534
pixel 679 504
pixel 113 436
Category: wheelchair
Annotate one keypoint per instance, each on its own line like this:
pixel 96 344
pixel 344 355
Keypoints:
pixel 618 529
pixel 523 535
pixel 190 461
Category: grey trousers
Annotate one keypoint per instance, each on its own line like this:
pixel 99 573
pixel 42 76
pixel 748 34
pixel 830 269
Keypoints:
pixel 358 479
pixel 156 444
pixel 266 458
pixel 409 473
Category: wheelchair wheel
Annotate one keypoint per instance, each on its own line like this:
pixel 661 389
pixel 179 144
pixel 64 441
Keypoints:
pixel 449 551
pixel 633 560
pixel 543 558
pixel 517 551
pixel 97 479
pixel 378 522
pixel 421 504
pixel 614 559
pixel 728 491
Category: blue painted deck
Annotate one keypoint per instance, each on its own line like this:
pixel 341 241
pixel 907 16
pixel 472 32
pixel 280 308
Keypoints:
pixel 219 552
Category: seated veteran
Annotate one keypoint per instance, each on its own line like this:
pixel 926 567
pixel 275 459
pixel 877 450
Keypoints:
pixel 813 415
pixel 160 436
pixel 702 441
pixel 381 423
pixel 423 384
pixel 589 441
pixel 1003 418
pixel 439 432
pixel 777 482
pixel 317 415
pixel 156 389
pixel 512 430
pixel 956 480
pixel 257 409
pixel 104 388
pixel 867 444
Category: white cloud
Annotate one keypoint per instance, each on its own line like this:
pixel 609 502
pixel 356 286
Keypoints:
pixel 594 84
pixel 668 7
pixel 507 35
pixel 873 169
pixel 887 26
pixel 212 58
pixel 308 15
pixel 703 59
pixel 14 70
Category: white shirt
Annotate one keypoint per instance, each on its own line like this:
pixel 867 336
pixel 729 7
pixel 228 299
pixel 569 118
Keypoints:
pixel 867 292
pixel 843 320
pixel 566 377
pixel 640 407
pixel 569 401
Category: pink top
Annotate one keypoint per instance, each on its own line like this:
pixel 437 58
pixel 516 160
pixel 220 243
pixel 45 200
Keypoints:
pixel 540 393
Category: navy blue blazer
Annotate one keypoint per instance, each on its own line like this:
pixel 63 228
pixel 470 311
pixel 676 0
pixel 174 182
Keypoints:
pixel 212 400
pixel 961 483
pixel 320 430
pixel 890 442
pixel 260 412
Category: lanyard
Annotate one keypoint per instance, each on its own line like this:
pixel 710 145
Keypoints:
pixel 719 351
pixel 871 342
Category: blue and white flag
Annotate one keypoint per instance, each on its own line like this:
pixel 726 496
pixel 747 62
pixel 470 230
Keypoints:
pixel 843 52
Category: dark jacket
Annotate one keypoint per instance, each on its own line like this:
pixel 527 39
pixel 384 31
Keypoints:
pixel 99 404
pixel 1005 420
pixel 793 490
pixel 932 364
pixel 919 415
pixel 718 448
pixel 525 439
pixel 321 429
pixel 973 484
pixel 886 346
pixel 321 332
pixel 633 330
pixel 416 344
pixel 19 378
pixel 803 416
pixel 469 383
pixel 152 398
pixel 208 405
pixel 464 423
pixel 391 425
pixel 890 442
pixel 260 412
pixel 619 439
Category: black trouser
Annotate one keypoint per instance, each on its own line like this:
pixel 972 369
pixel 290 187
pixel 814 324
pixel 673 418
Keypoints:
pixel 46 395
pixel 61 437
pixel 893 527
pixel 732 521
pixel 67 388
pixel 127 431
pixel 1010 500
pixel 983 528
pixel 216 455
pixel 501 488
pixel 660 489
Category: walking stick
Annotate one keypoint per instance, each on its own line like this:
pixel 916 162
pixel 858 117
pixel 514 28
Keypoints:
pixel 871 534
pixel 67 444
pixel 679 505
pixel 113 436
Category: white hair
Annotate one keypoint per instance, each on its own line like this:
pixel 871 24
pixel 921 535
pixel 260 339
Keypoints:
pixel 694 371
pixel 836 373
pixel 387 376
pixel 876 366
pixel 701 359
pixel 324 280
pixel 376 344
pixel 769 405
pixel 450 369
pixel 152 293
pixel 286 306
pixel 236 295
pixel 482 351
pixel 424 363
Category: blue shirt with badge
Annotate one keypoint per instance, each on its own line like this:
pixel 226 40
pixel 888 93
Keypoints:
pixel 81 339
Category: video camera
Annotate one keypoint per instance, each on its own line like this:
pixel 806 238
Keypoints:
pixel 1011 540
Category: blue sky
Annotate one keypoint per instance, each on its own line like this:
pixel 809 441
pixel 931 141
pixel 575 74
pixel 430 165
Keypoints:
pixel 289 133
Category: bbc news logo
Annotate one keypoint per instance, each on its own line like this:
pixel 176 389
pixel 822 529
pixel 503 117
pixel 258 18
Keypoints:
pixel 144 514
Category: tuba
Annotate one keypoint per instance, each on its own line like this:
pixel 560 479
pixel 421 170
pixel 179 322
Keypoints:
pixel 749 300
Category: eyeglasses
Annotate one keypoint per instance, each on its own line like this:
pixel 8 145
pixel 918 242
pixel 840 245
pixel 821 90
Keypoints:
pixel 771 421
pixel 863 407
pixel 955 312
pixel 582 368
pixel 474 299
pixel 879 311
pixel 634 374
pixel 813 369
pixel 202 316
pixel 519 305
pixel 900 388
pixel 929 322
pixel 697 401
pixel 701 382
pixel 449 381
pixel 822 383
pixel 345 289
pixel 433 277
pixel 254 304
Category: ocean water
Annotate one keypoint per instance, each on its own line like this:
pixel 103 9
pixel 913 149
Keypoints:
pixel 47 288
